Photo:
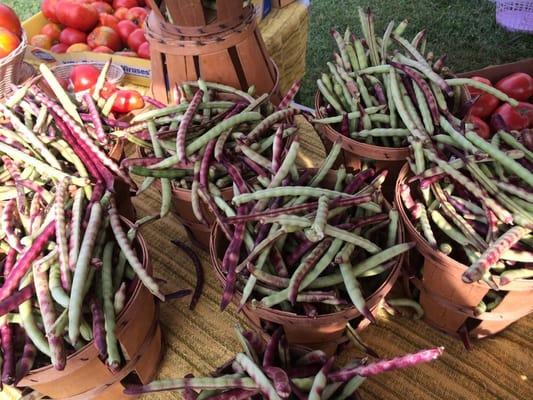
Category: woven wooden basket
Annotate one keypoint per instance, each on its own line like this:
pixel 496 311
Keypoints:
pixel 225 47
pixel 11 66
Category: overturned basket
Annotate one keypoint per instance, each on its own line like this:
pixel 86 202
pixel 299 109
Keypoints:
pixel 11 67
pixel 224 47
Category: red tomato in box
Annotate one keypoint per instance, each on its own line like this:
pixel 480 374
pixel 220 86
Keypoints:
pixel 511 117
pixel 48 7
pixel 127 100
pixel 120 13
pixel 125 29
pixel 125 3
pixel 81 16
pixel 103 49
pixel 109 20
pixel 104 36
pixel 71 36
pixel 42 41
pixel 52 30
pixel 9 20
pixel 519 86
pixel 137 15
pixel 102 7
pixel 136 38
pixel 83 77
pixel 486 103
pixel 480 127
pixel 59 48
pixel 144 50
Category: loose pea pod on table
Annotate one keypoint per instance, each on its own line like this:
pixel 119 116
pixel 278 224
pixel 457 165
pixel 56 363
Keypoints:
pixel 275 373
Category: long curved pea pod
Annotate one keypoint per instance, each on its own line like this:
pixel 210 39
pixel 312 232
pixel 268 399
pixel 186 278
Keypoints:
pixel 25 364
pixel 260 247
pixel 263 383
pixel 113 354
pixel 393 227
pixel 280 380
pixel 381 132
pixel 128 251
pixel 229 264
pixel 493 253
pixel 46 305
pixel 246 346
pixel 220 383
pixel 61 232
pixel 351 115
pixel 320 381
pixel 458 137
pixel 350 387
pixel 266 123
pixel 511 141
pixel 316 232
pixel 81 271
pixel 307 264
pixel 419 311
pixel 75 229
pixel 166 190
pixel 342 49
pixel 7 223
pixel 498 155
pixel 329 96
pixel 484 87
pixel 448 229
pixel 16 299
pixel 426 226
pixel 287 191
pixel 354 291
pixel 181 136
pixel 516 191
pixel 272 347
pixel 382 366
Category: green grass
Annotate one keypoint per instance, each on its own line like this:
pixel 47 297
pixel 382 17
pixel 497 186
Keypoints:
pixel 466 30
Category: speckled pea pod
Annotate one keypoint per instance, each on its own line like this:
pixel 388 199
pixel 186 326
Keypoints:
pixel 113 354
pixel 47 309
pixel 95 119
pixel 320 381
pixel 484 87
pixel 510 275
pixel 61 233
pixel 493 253
pixel 229 263
pixel 269 121
pixel 25 363
pixel 291 94
pixel 379 367
pixel 263 383
pixel 99 333
pixel 354 290
pixel 8 219
pixel 316 232
pixel 193 383
pixel 181 136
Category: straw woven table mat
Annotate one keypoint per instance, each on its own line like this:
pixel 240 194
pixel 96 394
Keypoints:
pixel 198 341
pixel 284 31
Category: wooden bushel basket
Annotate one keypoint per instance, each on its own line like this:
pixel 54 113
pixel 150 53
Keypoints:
pixel 449 302
pixel 224 47
pixel 326 331
pixel 86 376
pixel 355 152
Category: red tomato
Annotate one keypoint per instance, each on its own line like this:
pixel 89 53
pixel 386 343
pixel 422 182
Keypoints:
pixel 83 77
pixel 108 20
pixel 59 48
pixel 102 7
pixel 480 127
pixel 8 42
pixel 71 36
pixel 127 100
pixel 136 38
pixel 81 16
pixel 102 49
pixel 125 3
pixel 519 86
pixel 125 29
pixel 9 20
pixel 48 7
pixel 104 36
pixel 144 50
pixel 486 103
pixel 73 48
pixel 137 15
pixel 42 41
pixel 120 13
pixel 107 90
pixel 527 110
pixel 510 117
pixel 52 30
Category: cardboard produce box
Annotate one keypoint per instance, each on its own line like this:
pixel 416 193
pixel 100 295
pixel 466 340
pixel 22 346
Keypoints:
pixel 496 72
pixel 137 70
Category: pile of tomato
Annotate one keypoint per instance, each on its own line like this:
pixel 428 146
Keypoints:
pixel 83 78
pixel 489 115
pixel 10 30
pixel 104 26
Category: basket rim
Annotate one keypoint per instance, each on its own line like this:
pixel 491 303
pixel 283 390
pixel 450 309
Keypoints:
pixel 21 48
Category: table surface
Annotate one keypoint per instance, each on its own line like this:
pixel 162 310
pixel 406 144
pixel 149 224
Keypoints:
pixel 198 341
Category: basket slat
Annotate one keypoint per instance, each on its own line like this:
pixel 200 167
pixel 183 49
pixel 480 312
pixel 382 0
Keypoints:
pixel 186 12
pixel 210 66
